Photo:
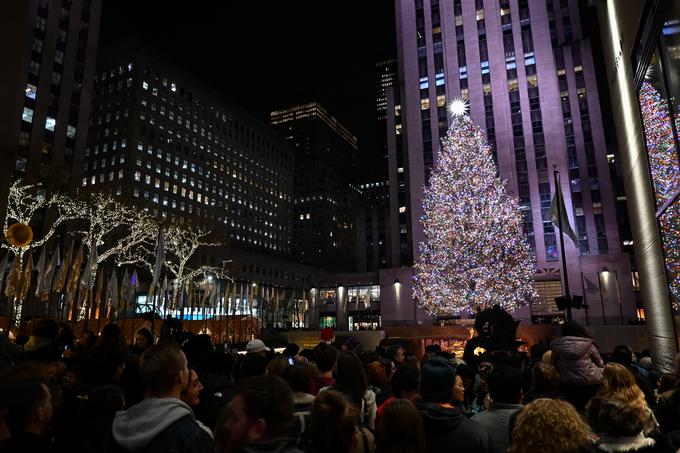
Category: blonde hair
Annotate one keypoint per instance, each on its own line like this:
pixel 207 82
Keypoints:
pixel 619 383
pixel 548 426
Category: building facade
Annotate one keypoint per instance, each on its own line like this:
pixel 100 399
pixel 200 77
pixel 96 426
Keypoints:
pixel 162 140
pixel 325 190
pixel 529 77
pixel 49 49
pixel 641 42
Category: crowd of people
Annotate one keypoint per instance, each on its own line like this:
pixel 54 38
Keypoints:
pixel 96 393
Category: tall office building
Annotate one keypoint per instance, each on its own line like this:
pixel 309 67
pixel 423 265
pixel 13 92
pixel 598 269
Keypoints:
pixel 163 140
pixel 324 190
pixel 373 214
pixel 48 50
pixel 528 74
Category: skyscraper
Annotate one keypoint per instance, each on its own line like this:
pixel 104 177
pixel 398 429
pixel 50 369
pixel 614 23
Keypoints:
pixel 163 140
pixel 48 50
pixel 529 77
pixel 324 189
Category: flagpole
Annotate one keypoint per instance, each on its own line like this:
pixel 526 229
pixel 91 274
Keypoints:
pixel 564 257
pixel 585 301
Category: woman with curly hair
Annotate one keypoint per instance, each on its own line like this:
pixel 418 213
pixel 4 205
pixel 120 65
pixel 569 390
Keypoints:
pixel 548 426
pixel 619 383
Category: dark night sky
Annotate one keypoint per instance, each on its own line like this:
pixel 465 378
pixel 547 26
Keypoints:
pixel 268 54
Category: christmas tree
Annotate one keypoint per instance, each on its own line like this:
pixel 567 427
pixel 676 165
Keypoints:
pixel 475 254
pixel 664 167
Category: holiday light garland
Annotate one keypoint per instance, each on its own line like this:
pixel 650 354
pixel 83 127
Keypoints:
pixel 664 167
pixel 475 254
pixel 123 232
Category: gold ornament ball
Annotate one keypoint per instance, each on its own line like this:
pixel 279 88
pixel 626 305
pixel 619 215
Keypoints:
pixel 19 235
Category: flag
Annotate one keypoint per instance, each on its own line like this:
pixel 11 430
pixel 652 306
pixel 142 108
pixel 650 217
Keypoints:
pixel 225 302
pixel 558 203
pixel 125 296
pixel 88 278
pixel 13 278
pixel 206 294
pixel 111 300
pixel 75 271
pixel 160 259
pixel 250 298
pixel 99 290
pixel 3 265
pixel 233 298
pixel 25 281
pixel 164 290
pixel 42 262
pixel 213 297
pixel 44 283
pixel 60 282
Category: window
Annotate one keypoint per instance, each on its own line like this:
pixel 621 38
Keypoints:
pixel 70 131
pixel 27 115
pixel 31 91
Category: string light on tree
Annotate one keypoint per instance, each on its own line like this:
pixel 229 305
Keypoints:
pixel 475 254
pixel 664 167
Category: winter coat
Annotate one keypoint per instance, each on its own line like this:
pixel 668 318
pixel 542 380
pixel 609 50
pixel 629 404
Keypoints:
pixel 448 429
pixel 160 425
pixel 577 361
pixel 274 446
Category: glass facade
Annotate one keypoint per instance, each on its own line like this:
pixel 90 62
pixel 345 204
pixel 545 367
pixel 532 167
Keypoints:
pixel 658 95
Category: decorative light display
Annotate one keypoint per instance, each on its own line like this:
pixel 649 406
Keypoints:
pixel 180 246
pixel 664 167
pixel 661 150
pixel 475 254
pixel 116 230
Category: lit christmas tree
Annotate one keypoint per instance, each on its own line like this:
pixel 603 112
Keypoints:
pixel 475 254
pixel 664 167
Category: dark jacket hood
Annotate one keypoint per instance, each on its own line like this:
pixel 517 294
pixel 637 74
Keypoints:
pixel 440 419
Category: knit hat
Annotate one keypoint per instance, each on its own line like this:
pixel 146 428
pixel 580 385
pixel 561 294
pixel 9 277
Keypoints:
pixel 437 374
pixel 327 335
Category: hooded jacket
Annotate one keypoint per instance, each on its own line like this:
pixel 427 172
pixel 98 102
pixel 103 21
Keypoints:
pixel 160 425
pixel 448 429
pixel 577 361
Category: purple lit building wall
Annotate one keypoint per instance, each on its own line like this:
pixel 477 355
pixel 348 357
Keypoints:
pixel 529 77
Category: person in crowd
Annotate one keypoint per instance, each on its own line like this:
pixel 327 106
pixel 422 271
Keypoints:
pixel 277 366
pixel 191 393
pixel 162 421
pixel 619 383
pixel 548 426
pixel 298 378
pixel 41 346
pixel 111 337
pixel 535 356
pixel 333 427
pixel 76 354
pixel 505 389
pixel 143 341
pixel 619 427
pixel 261 416
pixel 405 383
pixel 623 355
pixel 377 381
pixel 291 351
pixel 27 399
pixel 471 402
pixel 325 357
pixel 400 429
pixel 546 383
pixel 352 382
pixel 255 361
pixel 395 353
pixel 578 362
pixel 446 427
pixel 431 350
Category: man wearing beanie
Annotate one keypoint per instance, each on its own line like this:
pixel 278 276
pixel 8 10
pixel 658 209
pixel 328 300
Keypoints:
pixel 446 427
